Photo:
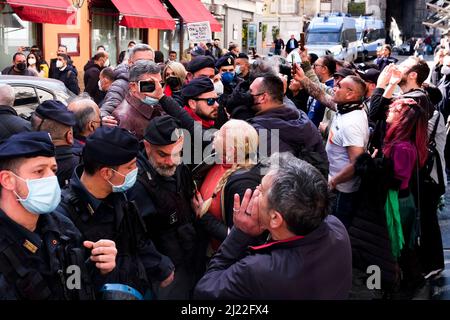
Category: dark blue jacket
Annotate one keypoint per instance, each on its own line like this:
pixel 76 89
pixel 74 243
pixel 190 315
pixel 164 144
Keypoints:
pixel 70 79
pixel 11 123
pixel 33 264
pixel 295 131
pixel 318 266
pixel 116 219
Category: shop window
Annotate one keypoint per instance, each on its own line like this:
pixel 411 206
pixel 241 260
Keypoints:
pixel 104 32
pixel 15 33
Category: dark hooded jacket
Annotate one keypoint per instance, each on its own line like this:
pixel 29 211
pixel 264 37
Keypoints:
pixel 296 131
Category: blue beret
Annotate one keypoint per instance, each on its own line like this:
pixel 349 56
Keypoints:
pixel 225 61
pixel 200 63
pixel 161 130
pixel 27 145
pixel 197 87
pixel 111 146
pixel 57 111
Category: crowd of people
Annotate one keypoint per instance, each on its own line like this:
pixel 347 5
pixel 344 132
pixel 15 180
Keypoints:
pixel 217 178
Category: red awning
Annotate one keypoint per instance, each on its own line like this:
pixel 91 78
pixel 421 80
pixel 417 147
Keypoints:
pixel 195 11
pixel 144 14
pixel 45 11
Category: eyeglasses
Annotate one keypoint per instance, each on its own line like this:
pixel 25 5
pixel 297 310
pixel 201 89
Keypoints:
pixel 209 101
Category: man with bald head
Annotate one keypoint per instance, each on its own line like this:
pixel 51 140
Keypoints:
pixel 87 116
pixel 348 138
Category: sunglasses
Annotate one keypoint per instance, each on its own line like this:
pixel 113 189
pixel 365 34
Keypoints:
pixel 209 101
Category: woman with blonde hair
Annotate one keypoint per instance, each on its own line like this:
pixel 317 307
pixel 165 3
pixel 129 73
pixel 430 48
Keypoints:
pixel 236 146
pixel 174 76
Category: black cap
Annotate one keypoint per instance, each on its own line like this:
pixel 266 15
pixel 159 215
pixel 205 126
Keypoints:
pixel 111 146
pixel 197 87
pixel 344 72
pixel 27 145
pixel 225 61
pixel 57 111
pixel 369 75
pixel 200 63
pixel 162 131
pixel 242 55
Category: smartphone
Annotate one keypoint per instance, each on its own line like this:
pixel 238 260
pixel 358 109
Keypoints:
pixel 302 41
pixel 147 86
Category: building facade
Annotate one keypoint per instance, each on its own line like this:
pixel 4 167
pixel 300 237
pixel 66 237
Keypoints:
pixel 83 25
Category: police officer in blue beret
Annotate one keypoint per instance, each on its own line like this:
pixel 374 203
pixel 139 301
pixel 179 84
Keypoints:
pixel 95 201
pixel 37 245
pixel 53 117
pixel 163 194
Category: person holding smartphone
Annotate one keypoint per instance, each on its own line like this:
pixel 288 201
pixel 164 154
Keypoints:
pixel 139 107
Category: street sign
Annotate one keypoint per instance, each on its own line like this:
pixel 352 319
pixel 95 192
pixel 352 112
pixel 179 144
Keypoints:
pixel 199 31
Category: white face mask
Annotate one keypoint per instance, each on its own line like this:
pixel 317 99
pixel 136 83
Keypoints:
pixel 59 64
pixel 445 70
pixel 100 85
pixel 107 63
pixel 31 61
pixel 218 87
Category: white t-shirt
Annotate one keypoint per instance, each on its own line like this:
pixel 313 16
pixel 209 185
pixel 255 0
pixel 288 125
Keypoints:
pixel 347 130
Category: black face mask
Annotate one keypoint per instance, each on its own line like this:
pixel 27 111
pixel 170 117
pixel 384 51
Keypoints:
pixel 173 82
pixel 21 66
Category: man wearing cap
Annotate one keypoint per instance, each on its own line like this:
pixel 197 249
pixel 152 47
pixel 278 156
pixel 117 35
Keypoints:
pixel 201 101
pixel 53 117
pixel 202 66
pixel 139 108
pixel 38 245
pixel 163 194
pixel 95 201
pixel 227 74
pixel 370 76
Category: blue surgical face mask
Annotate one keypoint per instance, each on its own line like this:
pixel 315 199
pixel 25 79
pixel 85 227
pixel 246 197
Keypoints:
pixel 238 70
pixel 150 101
pixel 129 182
pixel 227 77
pixel 43 197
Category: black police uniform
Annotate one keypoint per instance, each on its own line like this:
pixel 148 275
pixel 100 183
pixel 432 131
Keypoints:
pixel 165 205
pixel 138 263
pixel 33 265
pixel 65 158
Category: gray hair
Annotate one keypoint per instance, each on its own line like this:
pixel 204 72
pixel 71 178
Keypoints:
pixel 84 109
pixel 142 67
pixel 140 47
pixel 299 192
pixel 7 95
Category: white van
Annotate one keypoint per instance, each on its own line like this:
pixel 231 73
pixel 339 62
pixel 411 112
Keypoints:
pixel 333 34
pixel 371 34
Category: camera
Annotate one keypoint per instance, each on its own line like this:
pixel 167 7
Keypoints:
pixel 147 86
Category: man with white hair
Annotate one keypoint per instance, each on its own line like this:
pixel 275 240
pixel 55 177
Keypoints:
pixel 10 122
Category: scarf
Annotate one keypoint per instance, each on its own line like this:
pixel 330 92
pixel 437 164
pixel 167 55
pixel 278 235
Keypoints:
pixel 394 224
pixel 349 107
pixel 207 124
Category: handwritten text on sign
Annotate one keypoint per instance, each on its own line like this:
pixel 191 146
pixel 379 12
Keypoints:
pixel 199 31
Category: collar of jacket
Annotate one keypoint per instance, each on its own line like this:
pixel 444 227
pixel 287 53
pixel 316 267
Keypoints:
pixel 145 110
pixel 286 243
pixel 206 124
pixel 7 110
pixel 349 107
